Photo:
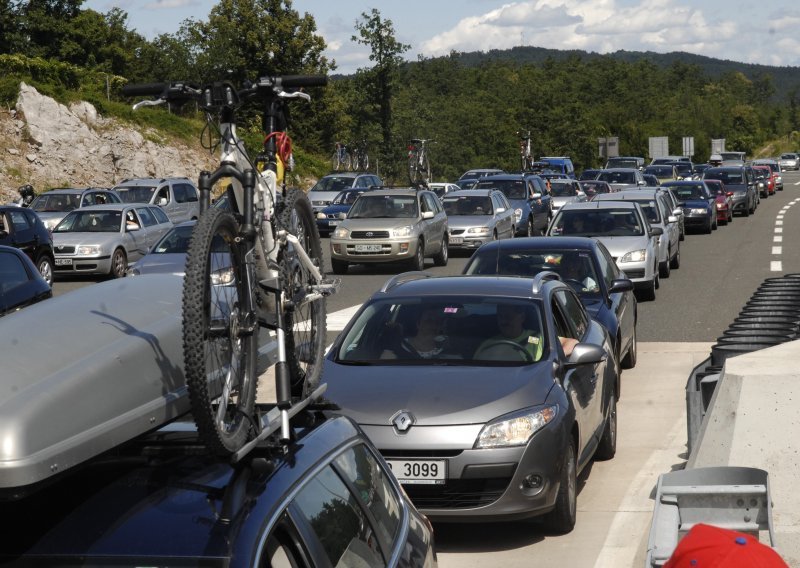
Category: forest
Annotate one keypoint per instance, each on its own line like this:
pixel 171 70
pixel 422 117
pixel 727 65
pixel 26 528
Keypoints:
pixel 472 105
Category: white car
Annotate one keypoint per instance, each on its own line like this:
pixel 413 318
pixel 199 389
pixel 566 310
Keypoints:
pixel 790 161
pixel 623 228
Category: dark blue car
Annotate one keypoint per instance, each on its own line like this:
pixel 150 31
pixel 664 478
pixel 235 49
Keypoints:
pixel 698 203
pixel 20 283
pixel 583 263
pixel 529 198
pixel 328 218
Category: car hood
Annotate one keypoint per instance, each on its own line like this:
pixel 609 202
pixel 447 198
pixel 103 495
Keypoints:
pixel 562 200
pixel 377 224
pixel 463 221
pixel 695 203
pixel 435 395
pixel 618 246
pixel 74 239
pixel 169 263
pixel 332 209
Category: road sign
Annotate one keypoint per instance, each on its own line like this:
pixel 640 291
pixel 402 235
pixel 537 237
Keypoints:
pixel 717 145
pixel 608 147
pixel 659 146
pixel 688 145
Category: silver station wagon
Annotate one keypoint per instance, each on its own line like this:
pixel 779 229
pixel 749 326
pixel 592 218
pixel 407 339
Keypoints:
pixel 104 239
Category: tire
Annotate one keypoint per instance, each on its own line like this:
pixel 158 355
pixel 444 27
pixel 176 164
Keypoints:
pixel 530 228
pixel 339 266
pixel 664 268
pixel 216 341
pixel 629 361
pixel 707 230
pixel 304 322
pixel 365 161
pixel 682 234
pixel 715 226
pixel 426 168
pixel 441 258
pixel 335 162
pixel 746 211
pixel 607 448
pixel 413 169
pixel 119 264
pixel 44 264
pixel 418 261
pixel 562 519
pixel 675 261
pixel 649 293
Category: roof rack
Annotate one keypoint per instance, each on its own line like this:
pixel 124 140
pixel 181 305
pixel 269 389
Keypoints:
pixel 543 277
pixel 403 278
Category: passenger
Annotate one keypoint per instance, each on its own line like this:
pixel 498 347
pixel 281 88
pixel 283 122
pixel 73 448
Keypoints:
pixel 574 267
pixel 428 341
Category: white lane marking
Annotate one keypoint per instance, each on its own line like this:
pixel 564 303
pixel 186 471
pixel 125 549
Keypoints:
pixel 777 250
pixel 338 320
pixel 778 229
pixel 779 222
pixel 776 266
pixel 780 216
pixel 777 239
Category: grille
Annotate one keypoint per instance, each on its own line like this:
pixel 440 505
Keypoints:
pixel 64 249
pixel 458 493
pixel 369 235
pixel 457 231
pixel 635 273
pixel 388 454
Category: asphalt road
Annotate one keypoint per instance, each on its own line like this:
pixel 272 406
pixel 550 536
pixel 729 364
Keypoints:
pixel 693 307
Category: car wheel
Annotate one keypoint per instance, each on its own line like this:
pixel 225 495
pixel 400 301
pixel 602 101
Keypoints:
pixel 730 216
pixel 716 225
pixel 494 236
pixel 746 211
pixel 649 293
pixel 656 278
pixel 531 228
pixel 629 361
pixel 682 235
pixel 708 228
pixel 45 267
pixel 442 257
pixel 675 262
pixel 119 264
pixel 608 443
pixel 562 518
pixel 339 266
pixel 418 262
pixel 664 267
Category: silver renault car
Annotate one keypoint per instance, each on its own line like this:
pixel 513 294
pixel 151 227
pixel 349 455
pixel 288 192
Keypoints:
pixel 622 226
pixel 391 226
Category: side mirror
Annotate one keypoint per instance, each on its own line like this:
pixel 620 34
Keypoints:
pixel 677 211
pixel 536 196
pixel 132 228
pixel 427 214
pixel 342 215
pixel 162 201
pixel 585 354
pixel 656 231
pixel 620 285
pixel 500 209
pixel 672 219
pixel 729 193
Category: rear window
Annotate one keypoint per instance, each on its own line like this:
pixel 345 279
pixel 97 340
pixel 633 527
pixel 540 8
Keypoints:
pixel 136 194
pixel 512 189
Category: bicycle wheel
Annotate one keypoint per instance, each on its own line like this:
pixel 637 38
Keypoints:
pixel 413 168
pixel 220 337
pixel 364 161
pixel 304 318
pixel 347 162
pixel 426 168
pixel 336 161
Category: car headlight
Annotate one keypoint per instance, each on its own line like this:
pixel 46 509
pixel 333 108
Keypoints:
pixel 321 215
pixel 779 179
pixel 88 250
pixel 478 230
pixel 222 277
pixel 341 233
pixel 406 231
pixel 697 211
pixel 515 429
pixel 518 214
pixel 634 256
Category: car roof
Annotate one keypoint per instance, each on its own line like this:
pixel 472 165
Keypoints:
pixel 449 287
pixel 59 190
pixel 148 181
pixel 600 203
pixel 112 207
pixel 483 192
pixel 539 243
pixel 504 177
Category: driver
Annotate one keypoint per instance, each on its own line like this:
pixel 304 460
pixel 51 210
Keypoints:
pixel 573 267
pixel 511 327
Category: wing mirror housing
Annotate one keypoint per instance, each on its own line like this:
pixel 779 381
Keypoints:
pixel 536 196
pixel 672 219
pixel 162 202
pixel 656 231
pixel 585 354
pixel 342 215
pixel 621 285
pixel 677 211
pixel 427 214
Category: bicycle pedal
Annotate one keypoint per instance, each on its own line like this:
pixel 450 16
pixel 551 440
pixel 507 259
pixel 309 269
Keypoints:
pixel 327 287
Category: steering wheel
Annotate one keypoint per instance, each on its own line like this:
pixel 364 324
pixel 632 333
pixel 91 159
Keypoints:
pixel 526 356
pixel 576 285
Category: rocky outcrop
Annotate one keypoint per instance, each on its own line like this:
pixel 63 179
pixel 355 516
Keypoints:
pixel 47 144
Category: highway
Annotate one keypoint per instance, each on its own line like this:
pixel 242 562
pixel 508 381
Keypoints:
pixel 693 307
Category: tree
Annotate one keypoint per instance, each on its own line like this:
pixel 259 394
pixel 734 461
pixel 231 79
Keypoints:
pixel 379 81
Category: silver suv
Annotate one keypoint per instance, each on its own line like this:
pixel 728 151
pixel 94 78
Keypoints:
pixel 329 186
pixel 395 225
pixel 176 196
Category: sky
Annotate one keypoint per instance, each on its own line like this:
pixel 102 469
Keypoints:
pixel 762 32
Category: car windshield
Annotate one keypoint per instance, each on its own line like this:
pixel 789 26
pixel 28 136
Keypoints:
pixel 773 166
pixel 597 223
pixel 468 205
pixel 562 189
pixel 80 221
pixel 595 187
pixel 687 192
pixel 175 241
pixel 684 168
pixel 136 193
pixel 384 207
pixel 732 176
pixel 618 177
pixel 574 266
pixel 467 183
pixel 346 198
pixel 512 188
pixel 660 171
pixel 788 157
pixel 621 163
pixel 436 330
pixel 333 183
pixel 56 202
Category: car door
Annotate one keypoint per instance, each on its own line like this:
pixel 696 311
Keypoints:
pixel 431 228
pixel 507 214
pixel 19 232
pixel 622 304
pixel 135 238
pixel 670 228
pixel 540 206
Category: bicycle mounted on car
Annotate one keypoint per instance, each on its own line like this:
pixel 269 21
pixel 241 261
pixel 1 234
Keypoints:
pixel 258 265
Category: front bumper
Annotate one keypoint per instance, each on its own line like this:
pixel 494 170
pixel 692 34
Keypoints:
pixel 459 239
pixel 696 220
pixel 640 273
pixel 373 250
pixel 739 202
pixel 325 226
pixel 82 264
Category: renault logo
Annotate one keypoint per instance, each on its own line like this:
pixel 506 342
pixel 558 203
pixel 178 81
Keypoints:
pixel 369 233
pixel 403 420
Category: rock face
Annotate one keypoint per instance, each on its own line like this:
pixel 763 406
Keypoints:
pixel 47 144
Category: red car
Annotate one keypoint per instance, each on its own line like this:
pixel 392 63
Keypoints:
pixel 764 173
pixel 724 200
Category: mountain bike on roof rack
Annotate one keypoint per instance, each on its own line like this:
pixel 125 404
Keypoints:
pixel 257 265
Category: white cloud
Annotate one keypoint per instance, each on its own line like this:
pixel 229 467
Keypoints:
pixel 168 4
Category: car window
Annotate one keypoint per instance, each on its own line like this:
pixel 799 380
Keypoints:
pixel 146 216
pixel 163 193
pixel 338 521
pixel 597 222
pixel 362 182
pixel 159 214
pixel 574 312
pixel 511 188
pixel 333 183
pixel 468 205
pixel 19 220
pixel 370 484
pixel 80 221
pixel 562 189
pixel 429 203
pixel 371 206
pixel 190 192
pixel 608 268
pixel 135 193
pixel 12 272
pixel 175 241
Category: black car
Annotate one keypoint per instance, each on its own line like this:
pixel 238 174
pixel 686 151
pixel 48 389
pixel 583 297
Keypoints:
pixel 20 283
pixel 742 182
pixel 325 499
pixel 22 228
pixel 583 263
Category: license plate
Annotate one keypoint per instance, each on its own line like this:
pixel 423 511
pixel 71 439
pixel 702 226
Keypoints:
pixel 369 248
pixel 456 240
pixel 419 472
pixel 333 223
pixel 63 262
